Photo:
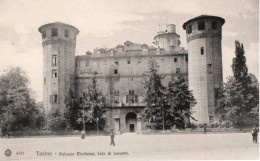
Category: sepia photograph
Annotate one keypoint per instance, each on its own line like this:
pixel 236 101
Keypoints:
pixel 129 80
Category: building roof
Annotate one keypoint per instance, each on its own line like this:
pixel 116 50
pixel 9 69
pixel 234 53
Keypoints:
pixel 203 17
pixel 57 24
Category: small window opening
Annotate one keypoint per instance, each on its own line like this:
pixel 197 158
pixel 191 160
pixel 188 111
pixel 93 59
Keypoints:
pixel 54 60
pixel 202 51
pixel 66 33
pixel 214 25
pixel 115 71
pixel 54 73
pixel 201 25
pixel 189 29
pixel 54 32
pixel 43 34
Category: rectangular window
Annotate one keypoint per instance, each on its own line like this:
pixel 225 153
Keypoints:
pixel 136 99
pixel 131 92
pixel 87 63
pixel 116 62
pixel 116 97
pixel 175 59
pixel 189 29
pixel 214 25
pixel 128 61
pixel 178 70
pixel 211 119
pixel 202 51
pixel 54 32
pixel 115 71
pixel 131 99
pixel 55 98
pixel 186 58
pixel 126 99
pixel 201 25
pixel 54 60
pixel 43 34
pixel 131 96
pixel 54 73
pixel 66 33
pixel 139 60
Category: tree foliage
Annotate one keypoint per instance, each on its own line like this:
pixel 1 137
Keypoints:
pixel 181 100
pixel 94 104
pixel 18 111
pixel 240 96
pixel 56 121
pixel 156 98
pixel 73 110
pixel 171 104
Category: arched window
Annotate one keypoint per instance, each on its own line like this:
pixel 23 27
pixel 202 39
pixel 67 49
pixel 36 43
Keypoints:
pixel 202 50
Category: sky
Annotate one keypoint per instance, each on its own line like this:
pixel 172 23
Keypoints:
pixel 108 23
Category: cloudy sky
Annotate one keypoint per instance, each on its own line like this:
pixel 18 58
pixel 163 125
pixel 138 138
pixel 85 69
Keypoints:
pixel 109 23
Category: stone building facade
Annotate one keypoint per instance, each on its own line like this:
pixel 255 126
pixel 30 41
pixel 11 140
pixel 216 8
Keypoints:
pixel 120 70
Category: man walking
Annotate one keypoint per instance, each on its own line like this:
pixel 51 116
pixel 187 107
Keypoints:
pixel 205 128
pixel 254 134
pixel 112 138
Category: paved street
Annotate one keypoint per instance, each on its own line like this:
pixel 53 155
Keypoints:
pixel 133 147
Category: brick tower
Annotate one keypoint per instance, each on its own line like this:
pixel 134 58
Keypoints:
pixel 59 43
pixel 204 34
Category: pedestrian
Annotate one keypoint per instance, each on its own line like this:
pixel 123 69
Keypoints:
pixel 205 128
pixel 254 134
pixel 112 138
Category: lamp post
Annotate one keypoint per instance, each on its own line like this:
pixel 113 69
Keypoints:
pixel 97 125
pixel 163 118
pixel 83 117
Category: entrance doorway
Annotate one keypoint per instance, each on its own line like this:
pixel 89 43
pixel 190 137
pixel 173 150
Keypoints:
pixel 131 122
pixel 132 127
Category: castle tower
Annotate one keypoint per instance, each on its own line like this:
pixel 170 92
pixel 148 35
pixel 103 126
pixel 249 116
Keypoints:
pixel 205 73
pixel 168 39
pixel 59 43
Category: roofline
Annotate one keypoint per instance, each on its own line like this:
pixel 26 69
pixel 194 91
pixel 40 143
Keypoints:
pixel 55 23
pixel 201 18
pixel 166 33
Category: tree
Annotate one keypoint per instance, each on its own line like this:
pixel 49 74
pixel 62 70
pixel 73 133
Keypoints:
pixel 94 105
pixel 56 121
pixel 241 93
pixel 156 98
pixel 73 110
pixel 181 101
pixel 18 111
